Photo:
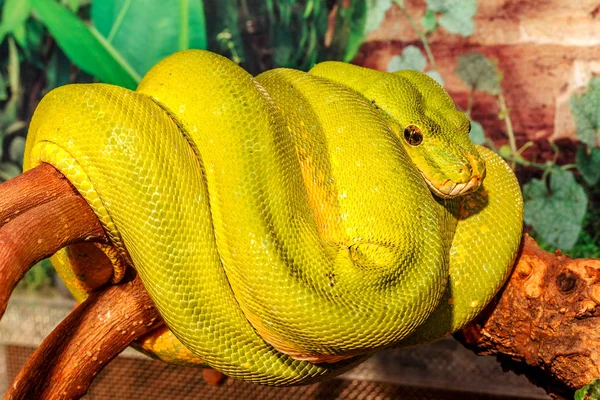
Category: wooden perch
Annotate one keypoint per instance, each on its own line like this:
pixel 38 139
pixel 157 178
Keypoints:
pixel 101 327
pixel 40 212
pixel 545 323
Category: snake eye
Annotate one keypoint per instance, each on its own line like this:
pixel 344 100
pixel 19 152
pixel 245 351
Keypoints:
pixel 413 135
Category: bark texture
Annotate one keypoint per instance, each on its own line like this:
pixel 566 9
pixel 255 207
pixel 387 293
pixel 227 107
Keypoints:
pixel 40 213
pixel 546 321
pixel 101 327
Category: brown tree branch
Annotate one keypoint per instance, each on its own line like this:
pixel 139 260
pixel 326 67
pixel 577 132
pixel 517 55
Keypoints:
pixel 40 213
pixel 31 189
pixel 67 361
pixel 545 323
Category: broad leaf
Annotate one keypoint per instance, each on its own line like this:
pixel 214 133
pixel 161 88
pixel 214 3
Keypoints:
pixel 585 108
pixel 412 58
pixel 14 15
pixel 429 21
pixel 350 30
pixel 556 214
pixel 457 15
pixel 16 149
pixel 8 171
pixel 588 164
pixel 376 10
pixel 505 151
pixel 85 46
pixel 73 5
pixel 145 32
pixel 436 75
pixel 589 391
pixel 479 73
pixel 477 134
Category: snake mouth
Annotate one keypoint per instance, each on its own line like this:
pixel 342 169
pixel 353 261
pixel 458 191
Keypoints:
pixel 449 191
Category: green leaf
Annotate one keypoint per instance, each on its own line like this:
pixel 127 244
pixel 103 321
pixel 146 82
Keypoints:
pixel 590 391
pixel 16 149
pixel 376 10
pixel 145 32
pixel 8 171
pixel 556 214
pixel 585 108
pixel 479 73
pixel 436 75
pixel 412 58
pixel 505 151
pixel 73 5
pixel 429 21
pixel 85 46
pixel 356 23
pixel 588 164
pixel 20 35
pixel 477 134
pixel 14 14
pixel 457 15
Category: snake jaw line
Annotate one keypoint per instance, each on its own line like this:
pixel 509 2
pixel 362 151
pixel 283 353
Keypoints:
pixel 458 189
pixel 446 191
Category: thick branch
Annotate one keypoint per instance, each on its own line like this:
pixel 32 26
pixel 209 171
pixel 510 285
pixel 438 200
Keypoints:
pixel 31 189
pixel 101 327
pixel 545 323
pixel 29 232
pixel 40 213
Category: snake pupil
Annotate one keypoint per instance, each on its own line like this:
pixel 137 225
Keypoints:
pixel 413 135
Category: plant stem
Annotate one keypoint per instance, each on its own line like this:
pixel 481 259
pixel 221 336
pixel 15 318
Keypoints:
pixel 509 128
pixel 525 163
pixel 568 166
pixel 419 32
pixel 470 102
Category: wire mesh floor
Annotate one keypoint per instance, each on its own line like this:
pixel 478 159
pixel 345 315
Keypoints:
pixel 443 370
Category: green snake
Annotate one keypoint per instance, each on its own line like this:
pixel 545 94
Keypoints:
pixel 289 225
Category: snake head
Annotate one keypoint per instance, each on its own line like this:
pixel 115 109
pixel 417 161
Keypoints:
pixel 434 133
pixel 425 119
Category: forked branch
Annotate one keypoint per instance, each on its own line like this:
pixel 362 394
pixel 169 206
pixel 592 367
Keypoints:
pixel 40 212
pixel 67 361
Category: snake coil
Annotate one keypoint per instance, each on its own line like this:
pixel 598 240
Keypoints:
pixel 286 226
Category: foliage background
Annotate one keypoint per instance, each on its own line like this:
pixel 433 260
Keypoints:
pixel 48 43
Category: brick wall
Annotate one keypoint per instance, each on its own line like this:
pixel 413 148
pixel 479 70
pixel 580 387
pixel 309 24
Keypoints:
pixel 547 49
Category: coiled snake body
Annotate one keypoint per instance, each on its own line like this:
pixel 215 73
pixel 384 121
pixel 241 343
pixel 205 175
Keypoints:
pixel 285 226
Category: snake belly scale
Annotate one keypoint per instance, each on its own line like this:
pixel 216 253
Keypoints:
pixel 289 225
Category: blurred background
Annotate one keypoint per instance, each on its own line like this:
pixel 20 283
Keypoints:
pixel 524 72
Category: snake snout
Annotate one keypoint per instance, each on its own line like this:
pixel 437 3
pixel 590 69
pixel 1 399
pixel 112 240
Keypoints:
pixel 477 173
pixel 470 177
